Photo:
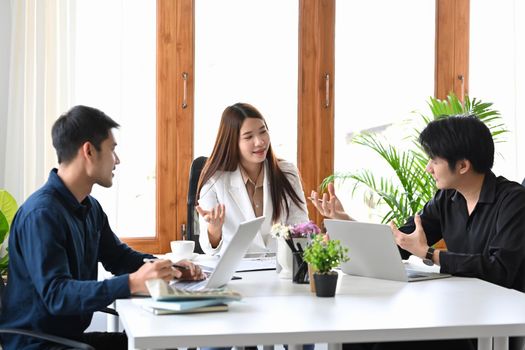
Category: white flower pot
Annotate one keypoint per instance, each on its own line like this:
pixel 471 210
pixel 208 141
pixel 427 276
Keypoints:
pixel 284 259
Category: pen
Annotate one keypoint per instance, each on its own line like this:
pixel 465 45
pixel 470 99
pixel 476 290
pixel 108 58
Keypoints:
pixel 180 267
pixel 289 241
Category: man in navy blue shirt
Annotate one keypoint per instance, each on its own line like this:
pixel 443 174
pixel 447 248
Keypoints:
pixel 60 234
pixel 480 217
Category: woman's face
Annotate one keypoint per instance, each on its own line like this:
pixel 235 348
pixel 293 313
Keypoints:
pixel 254 141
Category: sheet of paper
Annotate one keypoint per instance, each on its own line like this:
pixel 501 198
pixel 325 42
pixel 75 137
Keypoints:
pixel 257 264
pixel 208 263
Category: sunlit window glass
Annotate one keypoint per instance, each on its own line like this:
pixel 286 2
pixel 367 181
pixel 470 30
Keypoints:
pixel 497 74
pixel 384 71
pixel 246 51
pixel 115 72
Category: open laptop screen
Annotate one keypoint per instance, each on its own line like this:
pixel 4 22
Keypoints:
pixel 372 251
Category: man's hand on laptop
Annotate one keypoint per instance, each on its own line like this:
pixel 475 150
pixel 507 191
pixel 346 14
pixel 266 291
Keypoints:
pixel 190 272
pixel 415 242
pixel 329 206
pixel 158 268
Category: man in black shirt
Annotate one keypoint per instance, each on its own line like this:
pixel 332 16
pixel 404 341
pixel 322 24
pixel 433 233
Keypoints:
pixel 481 217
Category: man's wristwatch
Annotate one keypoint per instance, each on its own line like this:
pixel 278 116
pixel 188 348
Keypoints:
pixel 428 257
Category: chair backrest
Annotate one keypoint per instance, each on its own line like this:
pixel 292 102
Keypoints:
pixel 192 231
pixel 523 182
pixel 2 286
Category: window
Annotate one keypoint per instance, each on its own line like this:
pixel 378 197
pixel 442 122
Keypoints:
pixel 497 74
pixel 246 51
pixel 115 72
pixel 385 70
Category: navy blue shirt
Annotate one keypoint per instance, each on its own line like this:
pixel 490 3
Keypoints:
pixel 54 247
pixel 490 242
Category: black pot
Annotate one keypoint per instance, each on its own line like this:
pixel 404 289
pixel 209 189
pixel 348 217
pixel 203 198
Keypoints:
pixel 325 284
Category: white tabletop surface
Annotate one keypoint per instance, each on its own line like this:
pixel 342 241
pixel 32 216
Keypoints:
pixel 276 311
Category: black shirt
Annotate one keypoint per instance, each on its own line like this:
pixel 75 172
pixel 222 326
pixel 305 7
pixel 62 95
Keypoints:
pixel 490 243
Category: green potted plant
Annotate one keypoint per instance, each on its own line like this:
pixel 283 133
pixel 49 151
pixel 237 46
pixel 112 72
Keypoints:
pixel 8 209
pixel 323 255
pixel 410 187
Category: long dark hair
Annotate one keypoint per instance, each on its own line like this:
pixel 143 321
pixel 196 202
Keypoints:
pixel 226 157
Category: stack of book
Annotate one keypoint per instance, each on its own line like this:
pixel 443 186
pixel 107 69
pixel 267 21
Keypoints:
pixel 166 300
pixel 182 306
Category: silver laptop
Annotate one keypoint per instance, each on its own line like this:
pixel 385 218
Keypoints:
pixel 229 260
pixel 373 252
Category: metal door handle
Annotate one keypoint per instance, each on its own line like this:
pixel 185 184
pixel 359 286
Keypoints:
pixel 184 89
pixel 327 90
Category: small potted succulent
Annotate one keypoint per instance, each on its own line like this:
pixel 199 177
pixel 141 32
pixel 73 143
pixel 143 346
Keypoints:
pixel 323 255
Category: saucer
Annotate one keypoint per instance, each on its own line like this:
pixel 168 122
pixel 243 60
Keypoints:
pixel 175 258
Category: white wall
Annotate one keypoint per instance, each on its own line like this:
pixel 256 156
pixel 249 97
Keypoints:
pixel 5 49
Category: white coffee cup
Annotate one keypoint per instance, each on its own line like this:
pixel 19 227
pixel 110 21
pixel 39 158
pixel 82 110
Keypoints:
pixel 182 249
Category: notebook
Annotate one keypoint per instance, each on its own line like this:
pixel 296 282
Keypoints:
pixel 373 252
pixel 160 290
pixel 211 308
pixel 229 260
pixel 182 306
pixel 178 305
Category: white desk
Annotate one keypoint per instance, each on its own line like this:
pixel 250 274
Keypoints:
pixel 276 311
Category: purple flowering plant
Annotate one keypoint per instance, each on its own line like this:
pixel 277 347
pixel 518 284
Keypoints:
pixel 289 232
pixel 305 230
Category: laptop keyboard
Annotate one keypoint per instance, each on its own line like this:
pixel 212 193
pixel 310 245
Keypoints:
pixel 191 285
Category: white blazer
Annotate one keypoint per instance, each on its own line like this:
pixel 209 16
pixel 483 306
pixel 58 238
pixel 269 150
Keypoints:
pixel 228 188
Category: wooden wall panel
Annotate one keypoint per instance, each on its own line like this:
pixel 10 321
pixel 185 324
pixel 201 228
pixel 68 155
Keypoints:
pixel 175 56
pixel 452 47
pixel 315 156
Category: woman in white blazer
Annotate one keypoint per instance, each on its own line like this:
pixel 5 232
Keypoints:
pixel 243 179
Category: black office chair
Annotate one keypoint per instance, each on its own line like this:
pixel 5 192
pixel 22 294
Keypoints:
pixel 192 227
pixel 523 182
pixel 39 335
